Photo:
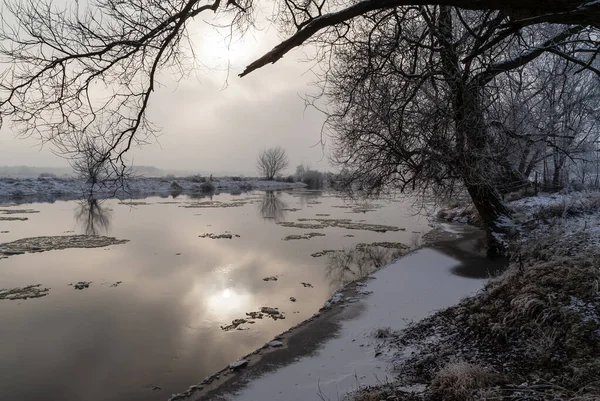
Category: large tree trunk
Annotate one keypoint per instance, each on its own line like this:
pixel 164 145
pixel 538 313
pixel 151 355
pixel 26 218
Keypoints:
pixel 479 171
pixel 492 212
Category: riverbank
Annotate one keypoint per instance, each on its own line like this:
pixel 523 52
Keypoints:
pixel 48 189
pixel 530 333
pixel 343 346
pixel 533 333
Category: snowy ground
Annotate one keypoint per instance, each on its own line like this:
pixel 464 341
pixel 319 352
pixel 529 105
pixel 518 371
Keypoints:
pixel 408 289
pixel 532 214
pixel 67 188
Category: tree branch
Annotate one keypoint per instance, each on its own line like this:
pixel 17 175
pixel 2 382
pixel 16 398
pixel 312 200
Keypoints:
pixel 524 12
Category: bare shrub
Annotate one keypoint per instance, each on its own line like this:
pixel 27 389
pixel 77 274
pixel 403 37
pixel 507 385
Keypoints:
pixel 383 332
pixel 196 178
pixel 207 187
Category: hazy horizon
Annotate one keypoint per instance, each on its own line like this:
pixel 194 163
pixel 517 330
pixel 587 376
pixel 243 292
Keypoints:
pixel 208 128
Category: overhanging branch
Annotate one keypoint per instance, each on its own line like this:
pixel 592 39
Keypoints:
pixel 526 12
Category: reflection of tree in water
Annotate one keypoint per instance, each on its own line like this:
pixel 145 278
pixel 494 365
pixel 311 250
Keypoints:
pixel 308 196
pixel 271 206
pixel 349 265
pixel 93 218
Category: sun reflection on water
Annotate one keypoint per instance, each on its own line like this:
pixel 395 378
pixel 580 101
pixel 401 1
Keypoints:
pixel 227 303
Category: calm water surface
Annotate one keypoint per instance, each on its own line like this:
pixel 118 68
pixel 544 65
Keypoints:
pixel 159 331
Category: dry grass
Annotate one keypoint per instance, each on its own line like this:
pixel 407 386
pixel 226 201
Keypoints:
pixel 382 392
pixel 538 324
pixel 383 332
pixel 459 381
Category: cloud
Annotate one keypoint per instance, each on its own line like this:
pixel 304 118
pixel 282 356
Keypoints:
pixel 215 130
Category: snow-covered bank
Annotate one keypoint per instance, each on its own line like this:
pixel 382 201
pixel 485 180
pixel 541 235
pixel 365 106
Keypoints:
pixel 532 334
pixel 48 188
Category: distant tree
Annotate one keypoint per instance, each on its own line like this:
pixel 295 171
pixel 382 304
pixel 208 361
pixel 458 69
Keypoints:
pixel 271 162
pixel 91 164
pixel 301 169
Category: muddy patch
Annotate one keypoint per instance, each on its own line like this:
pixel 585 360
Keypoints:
pixel 303 236
pixel 388 245
pixel 348 224
pixel 213 204
pixel 81 285
pixel 18 211
pixel 323 253
pixel 219 236
pixel 265 312
pixel 4 218
pixel 51 243
pixel 31 291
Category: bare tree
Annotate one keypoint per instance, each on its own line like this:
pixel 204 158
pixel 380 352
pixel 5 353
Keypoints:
pixel 91 163
pixel 271 162
pixel 80 69
pixel 408 93
pixel 313 17
pixel 88 71
pixel 548 113
pixel 83 68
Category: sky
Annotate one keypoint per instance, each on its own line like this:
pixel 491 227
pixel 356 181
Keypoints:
pixel 206 127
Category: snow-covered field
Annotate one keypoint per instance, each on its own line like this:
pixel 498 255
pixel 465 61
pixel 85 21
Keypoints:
pixel 47 188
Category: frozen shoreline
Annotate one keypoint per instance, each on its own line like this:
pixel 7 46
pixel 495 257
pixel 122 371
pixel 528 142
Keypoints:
pixel 338 349
pixel 50 189
pixel 346 352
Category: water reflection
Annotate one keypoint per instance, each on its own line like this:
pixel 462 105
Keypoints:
pixel 162 324
pixel 308 197
pixel 349 265
pixel 93 217
pixel 271 206
pixel 471 250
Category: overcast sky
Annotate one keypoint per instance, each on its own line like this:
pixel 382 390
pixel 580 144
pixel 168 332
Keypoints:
pixel 211 129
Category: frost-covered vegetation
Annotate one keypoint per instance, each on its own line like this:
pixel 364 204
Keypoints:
pixel 48 188
pixel 532 334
